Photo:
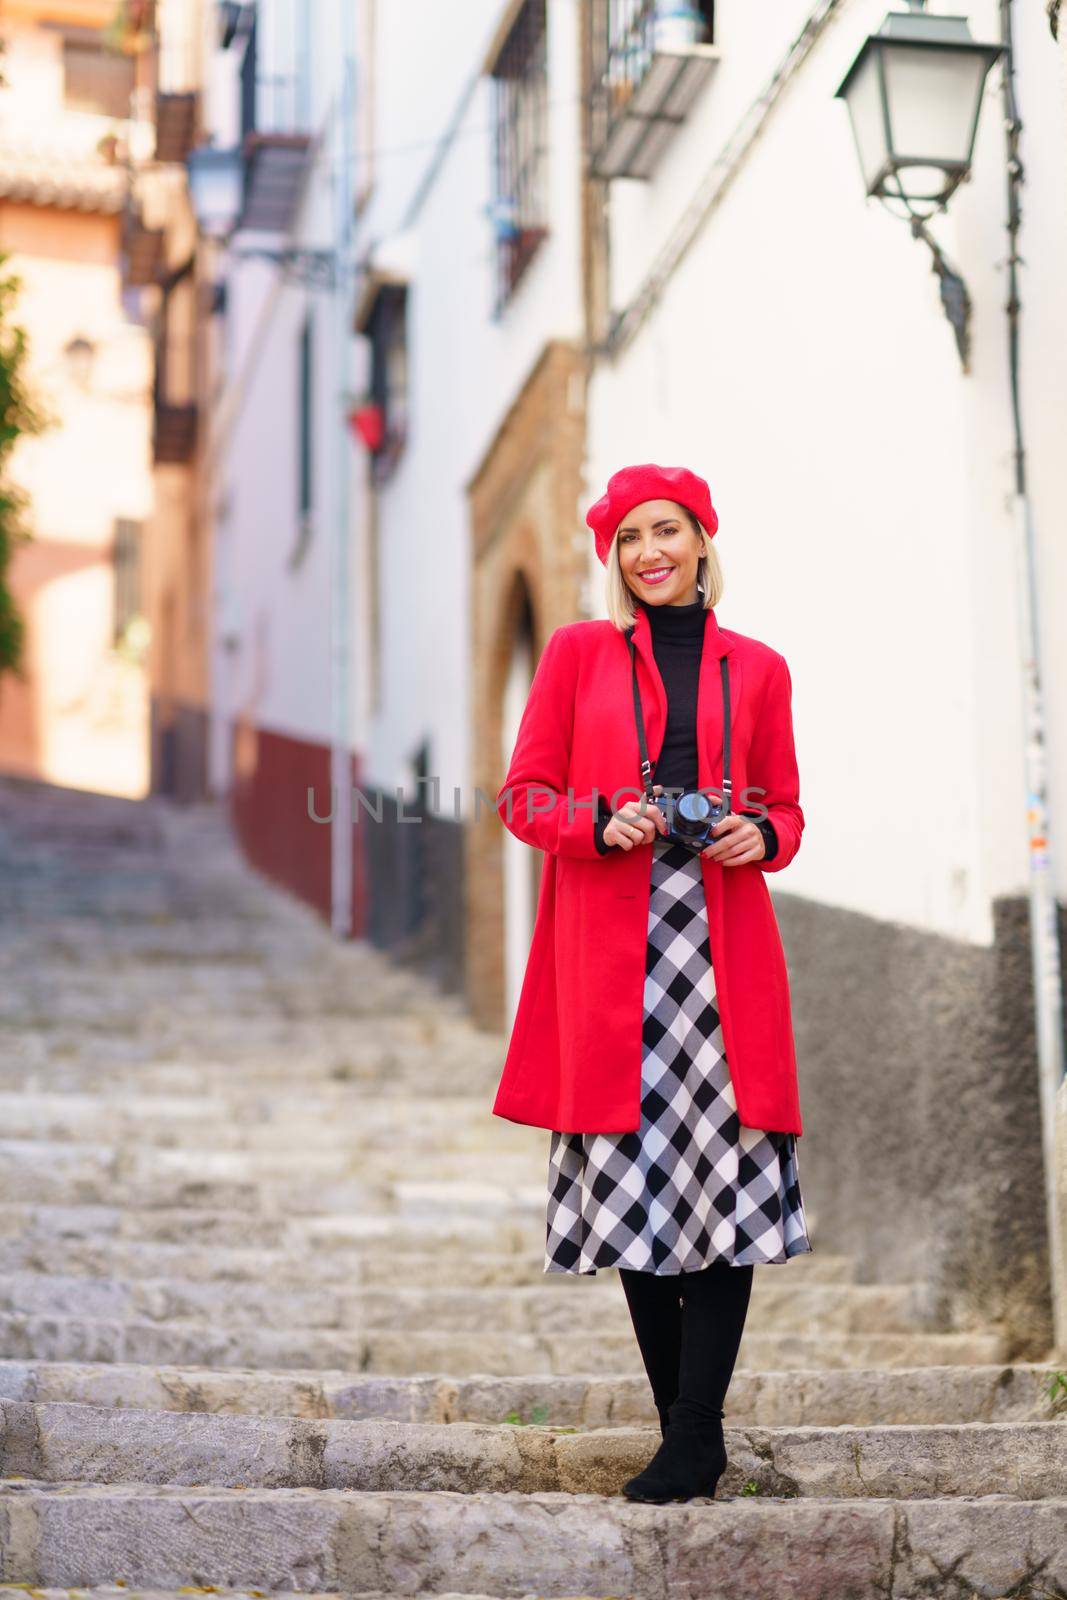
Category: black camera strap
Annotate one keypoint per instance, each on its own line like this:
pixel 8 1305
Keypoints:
pixel 646 765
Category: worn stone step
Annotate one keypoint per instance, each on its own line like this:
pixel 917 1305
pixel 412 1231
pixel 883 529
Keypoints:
pixel 245 1052
pixel 529 1309
pixel 62 1062
pixel 58 1338
pixel 372 1265
pixel 232 1112
pixel 68 1535
pixel 74 1442
pixel 558 1304
pixel 391 1012
pixel 322 1133
pixel 241 999
pixel 51 1187
pixel 115 1592
pixel 140 1162
pixel 452 1263
pixel 859 1397
pixel 60 1174
pixel 11 1591
pixel 249 1052
pixel 251 1120
pixel 401 1232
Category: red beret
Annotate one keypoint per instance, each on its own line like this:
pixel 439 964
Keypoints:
pixel 631 486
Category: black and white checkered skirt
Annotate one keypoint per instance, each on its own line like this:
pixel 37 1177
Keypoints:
pixel 691 1185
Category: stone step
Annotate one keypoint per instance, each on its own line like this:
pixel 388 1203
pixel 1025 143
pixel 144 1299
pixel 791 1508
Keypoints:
pixel 122 1592
pixel 425 1022
pixel 74 1176
pixel 454 1262
pixel 332 1134
pixel 58 1338
pixel 11 1591
pixel 249 1119
pixel 519 1232
pixel 258 1062
pixel 67 1535
pixel 561 1303
pixel 142 1160
pixel 73 1442
pixel 246 1052
pixel 251 1122
pixel 860 1397
pixel 61 1063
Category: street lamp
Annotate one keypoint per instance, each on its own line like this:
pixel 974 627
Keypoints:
pixel 216 186
pixel 216 180
pixel 913 94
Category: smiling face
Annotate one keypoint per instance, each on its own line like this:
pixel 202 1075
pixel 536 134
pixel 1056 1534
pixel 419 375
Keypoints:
pixel 659 550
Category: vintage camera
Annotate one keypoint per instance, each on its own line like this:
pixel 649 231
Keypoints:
pixel 692 817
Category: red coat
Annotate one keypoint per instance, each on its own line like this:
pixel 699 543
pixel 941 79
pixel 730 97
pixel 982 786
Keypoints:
pixel 574 1057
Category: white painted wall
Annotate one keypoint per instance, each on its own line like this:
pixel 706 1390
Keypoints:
pixel 800 360
pixel 466 368
pixel 274 618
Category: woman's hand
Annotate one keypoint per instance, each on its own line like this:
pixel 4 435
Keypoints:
pixel 630 825
pixel 737 841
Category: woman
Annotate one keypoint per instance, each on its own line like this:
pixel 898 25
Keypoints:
pixel 653 1033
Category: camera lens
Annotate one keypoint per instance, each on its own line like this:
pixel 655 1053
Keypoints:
pixel 692 812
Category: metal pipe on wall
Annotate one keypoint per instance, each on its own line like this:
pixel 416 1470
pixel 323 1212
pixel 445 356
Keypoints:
pixel 1044 917
pixel 340 596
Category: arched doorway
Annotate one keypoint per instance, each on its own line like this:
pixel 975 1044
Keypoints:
pixel 527 565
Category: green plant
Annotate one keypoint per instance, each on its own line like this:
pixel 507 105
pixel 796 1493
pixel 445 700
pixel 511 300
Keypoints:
pixel 18 416
pixel 539 1415
pixel 751 1487
pixel 1057 1391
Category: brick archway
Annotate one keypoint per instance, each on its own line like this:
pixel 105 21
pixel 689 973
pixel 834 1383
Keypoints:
pixel 528 560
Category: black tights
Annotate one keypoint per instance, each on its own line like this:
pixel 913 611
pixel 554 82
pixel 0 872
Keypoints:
pixel 689 1328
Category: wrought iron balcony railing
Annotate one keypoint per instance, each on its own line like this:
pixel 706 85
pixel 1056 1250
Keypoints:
pixel 650 59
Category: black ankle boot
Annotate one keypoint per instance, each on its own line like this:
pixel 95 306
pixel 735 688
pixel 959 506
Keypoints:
pixel 689 1462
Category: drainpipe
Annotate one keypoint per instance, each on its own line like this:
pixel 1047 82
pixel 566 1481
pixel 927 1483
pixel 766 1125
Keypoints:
pixel 340 599
pixel 1044 924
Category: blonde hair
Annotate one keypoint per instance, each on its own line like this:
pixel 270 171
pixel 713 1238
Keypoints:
pixel 620 600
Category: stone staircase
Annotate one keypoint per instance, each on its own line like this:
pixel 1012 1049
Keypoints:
pixel 273 1318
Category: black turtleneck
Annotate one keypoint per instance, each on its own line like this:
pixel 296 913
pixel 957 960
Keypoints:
pixel 677 633
pixel 677 642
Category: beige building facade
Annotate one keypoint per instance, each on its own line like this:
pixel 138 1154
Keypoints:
pixel 78 715
pixel 96 114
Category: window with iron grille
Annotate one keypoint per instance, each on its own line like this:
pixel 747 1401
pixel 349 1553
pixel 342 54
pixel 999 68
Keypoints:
pixel 126 569
pixel 519 209
pixel 641 55
pixel 95 78
pixel 387 331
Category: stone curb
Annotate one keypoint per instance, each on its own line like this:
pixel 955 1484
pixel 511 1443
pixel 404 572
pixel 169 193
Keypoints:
pixel 43 1222
pixel 406 1354
pixel 859 1397
pixel 19 1592
pixel 373 1264
pixel 70 1535
pixel 558 1304
pixel 62 1442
